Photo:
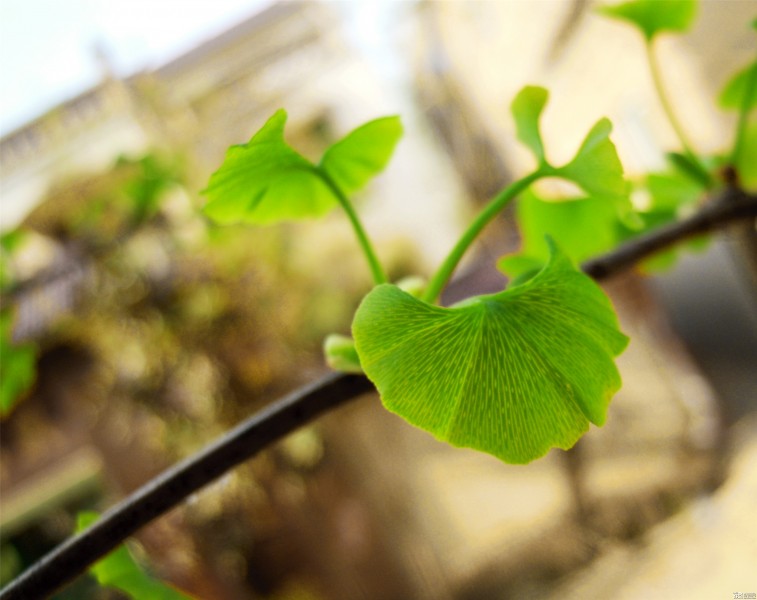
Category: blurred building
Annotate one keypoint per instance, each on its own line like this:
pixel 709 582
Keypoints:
pixel 198 104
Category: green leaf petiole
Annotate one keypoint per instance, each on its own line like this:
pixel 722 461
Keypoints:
pixel 377 271
pixel 491 210
pixel 688 151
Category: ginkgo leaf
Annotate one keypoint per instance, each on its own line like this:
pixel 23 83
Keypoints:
pixel 744 82
pixel 119 570
pixel 672 191
pixel 512 374
pixel 654 16
pixel 265 181
pixel 669 195
pixel 740 93
pixel 582 227
pixel 361 154
pixel 596 166
pixel 340 353
pixel 691 168
pixel 526 109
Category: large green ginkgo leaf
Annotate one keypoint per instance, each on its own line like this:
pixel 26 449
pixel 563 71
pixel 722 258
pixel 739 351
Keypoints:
pixel 512 374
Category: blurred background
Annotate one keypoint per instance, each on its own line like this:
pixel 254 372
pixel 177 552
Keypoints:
pixel 138 331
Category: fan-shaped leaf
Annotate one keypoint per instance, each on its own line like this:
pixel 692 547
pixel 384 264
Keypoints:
pixel 654 16
pixel 512 374
pixel 741 84
pixel 582 227
pixel 361 154
pixel 265 181
pixel 596 166
pixel 526 109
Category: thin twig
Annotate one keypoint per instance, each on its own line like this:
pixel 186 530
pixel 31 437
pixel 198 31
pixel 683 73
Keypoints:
pixel 179 482
pixel 302 406
pixel 730 206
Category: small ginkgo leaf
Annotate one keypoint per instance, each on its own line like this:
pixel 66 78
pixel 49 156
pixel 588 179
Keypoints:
pixel 362 154
pixel 744 82
pixel 582 227
pixel 596 166
pixel 266 181
pixel 512 374
pixel 526 109
pixel 691 168
pixel 414 285
pixel 671 192
pixel 654 16
pixel 339 351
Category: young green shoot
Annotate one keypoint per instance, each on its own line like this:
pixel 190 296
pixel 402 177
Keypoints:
pixel 377 271
pixel 740 94
pixel 651 18
pixel 266 181
pixel 441 277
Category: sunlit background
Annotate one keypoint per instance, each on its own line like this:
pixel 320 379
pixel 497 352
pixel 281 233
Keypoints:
pixel 152 331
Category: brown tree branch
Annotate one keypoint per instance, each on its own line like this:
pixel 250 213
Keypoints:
pixel 171 487
pixel 302 406
pixel 730 206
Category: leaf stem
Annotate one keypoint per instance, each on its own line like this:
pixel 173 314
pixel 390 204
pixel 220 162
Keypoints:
pixel 442 275
pixel 169 488
pixel 730 205
pixel 377 270
pixel 667 107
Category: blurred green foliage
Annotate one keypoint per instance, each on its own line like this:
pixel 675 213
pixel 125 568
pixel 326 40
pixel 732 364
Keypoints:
pixel 190 326
pixel 17 361
pixel 16 366
pixel 653 17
